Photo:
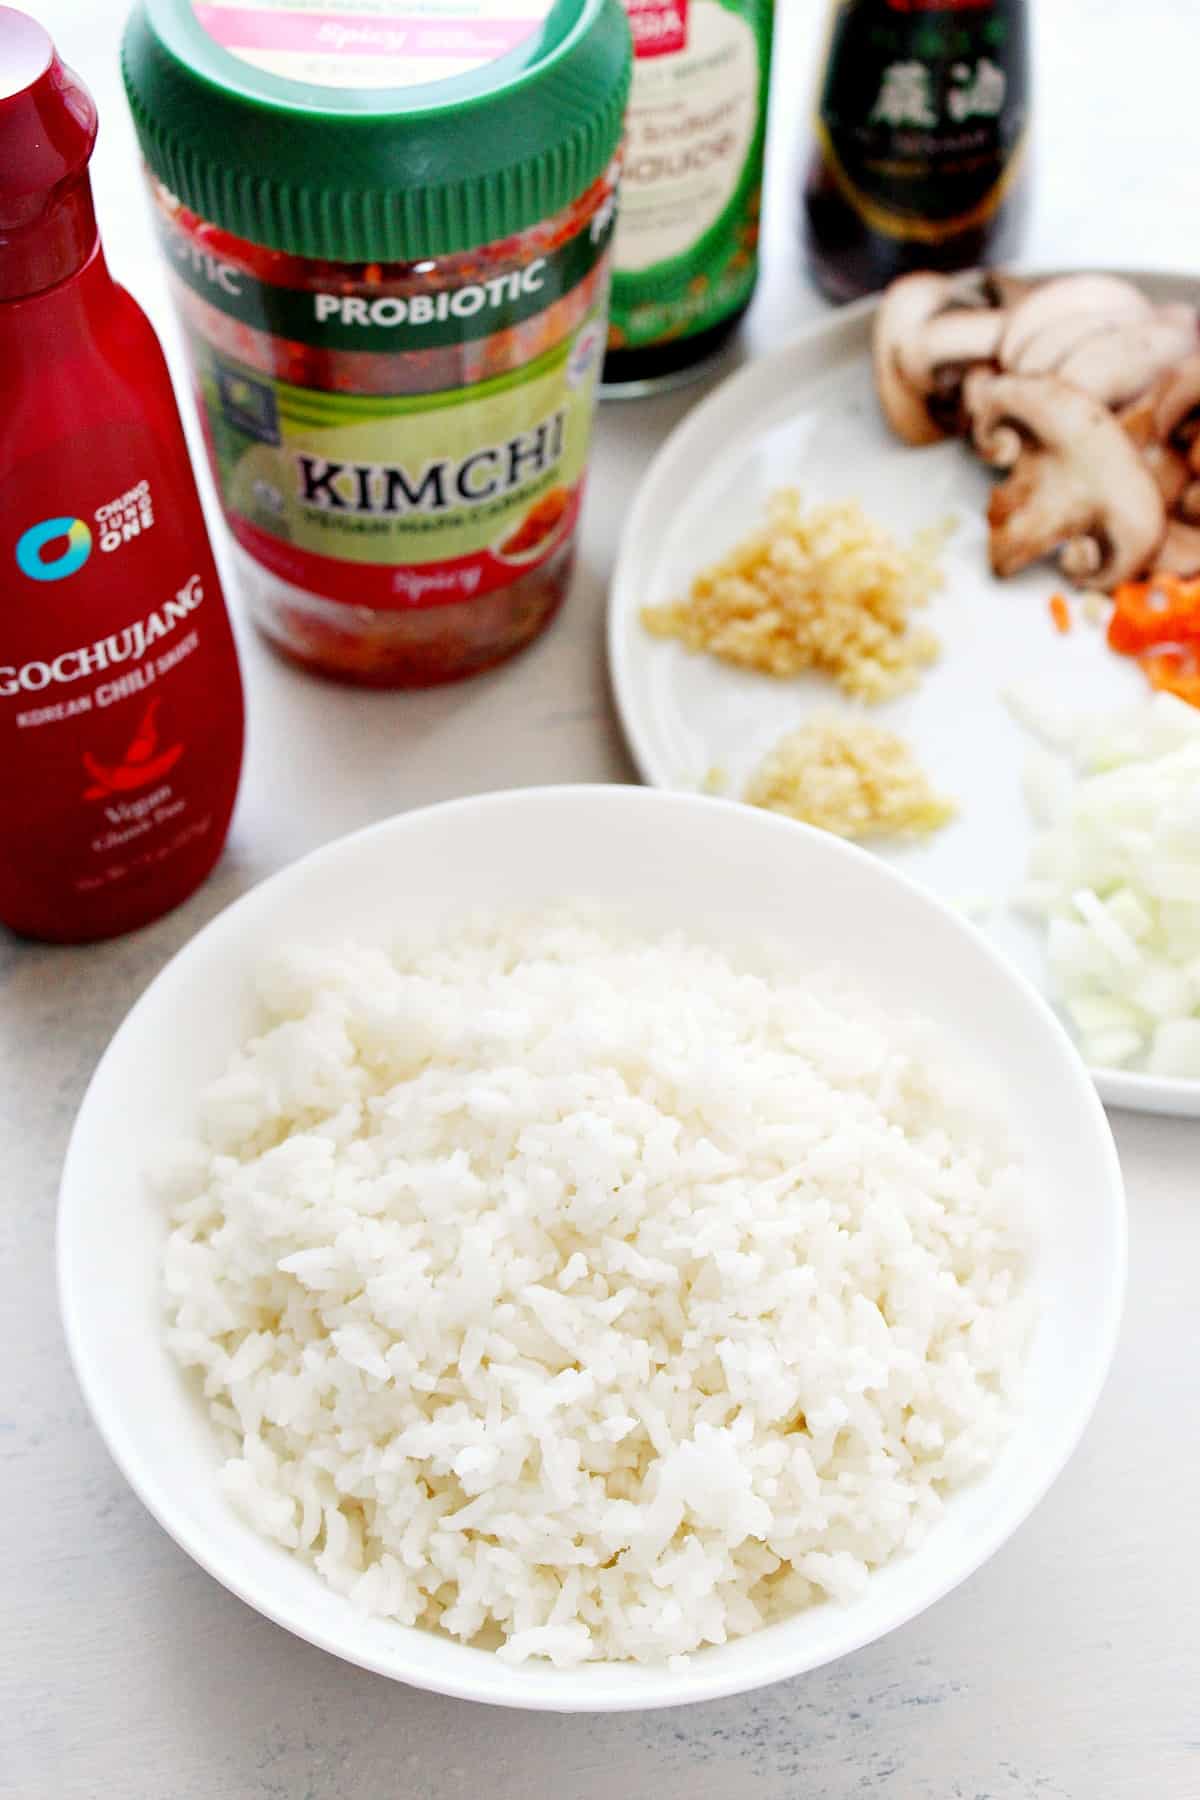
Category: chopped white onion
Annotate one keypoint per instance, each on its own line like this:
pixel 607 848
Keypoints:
pixel 1053 725
pixel 1115 872
pixel 1047 785
pixel 1176 1048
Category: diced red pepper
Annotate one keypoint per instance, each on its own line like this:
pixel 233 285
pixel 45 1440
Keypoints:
pixel 1163 610
pixel 1175 671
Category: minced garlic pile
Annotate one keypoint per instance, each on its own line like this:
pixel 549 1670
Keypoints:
pixel 826 590
pixel 849 777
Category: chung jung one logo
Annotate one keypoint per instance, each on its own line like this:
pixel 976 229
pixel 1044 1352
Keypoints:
pixel 53 549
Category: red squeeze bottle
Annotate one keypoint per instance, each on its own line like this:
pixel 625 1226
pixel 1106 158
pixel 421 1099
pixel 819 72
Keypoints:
pixel 120 699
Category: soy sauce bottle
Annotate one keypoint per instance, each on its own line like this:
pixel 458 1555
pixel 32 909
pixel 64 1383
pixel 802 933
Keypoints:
pixel 921 131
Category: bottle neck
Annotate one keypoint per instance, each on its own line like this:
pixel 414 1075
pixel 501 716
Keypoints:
pixel 45 241
pixel 59 318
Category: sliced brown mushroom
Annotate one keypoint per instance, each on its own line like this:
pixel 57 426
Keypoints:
pixel 1168 468
pixel 1164 423
pixel 1177 426
pixel 929 330
pixel 1078 484
pixel 1118 364
pixel 1065 333
pixel 1179 553
pixel 1057 340
pixel 1079 297
pixel 950 344
pixel 1177 410
pixel 906 308
pixel 999 288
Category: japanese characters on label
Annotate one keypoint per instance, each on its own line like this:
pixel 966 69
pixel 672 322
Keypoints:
pixel 923 111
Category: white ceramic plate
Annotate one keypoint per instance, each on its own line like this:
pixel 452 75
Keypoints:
pixel 806 416
pixel 707 865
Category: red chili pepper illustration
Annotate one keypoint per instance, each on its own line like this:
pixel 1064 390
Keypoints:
pixel 145 740
pixel 139 766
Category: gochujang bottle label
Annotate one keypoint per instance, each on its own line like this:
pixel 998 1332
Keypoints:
pixel 115 678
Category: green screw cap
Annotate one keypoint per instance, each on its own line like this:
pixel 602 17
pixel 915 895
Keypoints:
pixel 497 125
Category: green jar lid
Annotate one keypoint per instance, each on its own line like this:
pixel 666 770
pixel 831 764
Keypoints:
pixel 377 130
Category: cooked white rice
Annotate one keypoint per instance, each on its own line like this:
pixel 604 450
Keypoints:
pixel 586 1293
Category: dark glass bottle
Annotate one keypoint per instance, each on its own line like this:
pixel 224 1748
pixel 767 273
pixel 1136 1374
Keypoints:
pixel 921 129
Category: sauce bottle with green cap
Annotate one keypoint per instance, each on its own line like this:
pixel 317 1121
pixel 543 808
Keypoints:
pixel 389 240
pixel 686 259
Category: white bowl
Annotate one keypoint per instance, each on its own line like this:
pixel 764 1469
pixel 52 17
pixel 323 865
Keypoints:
pixel 701 863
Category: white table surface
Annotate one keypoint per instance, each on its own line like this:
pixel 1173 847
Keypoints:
pixel 1070 1666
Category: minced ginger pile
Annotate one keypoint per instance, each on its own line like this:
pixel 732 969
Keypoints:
pixel 827 590
pixel 849 777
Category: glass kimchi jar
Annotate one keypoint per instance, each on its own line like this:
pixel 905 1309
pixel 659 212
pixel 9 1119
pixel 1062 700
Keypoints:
pixel 388 238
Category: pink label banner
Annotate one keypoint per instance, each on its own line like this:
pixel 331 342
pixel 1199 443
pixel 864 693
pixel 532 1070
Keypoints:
pixel 313 33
